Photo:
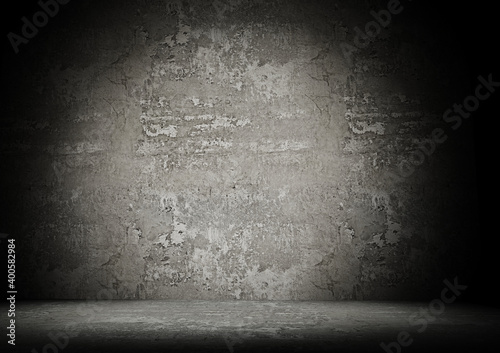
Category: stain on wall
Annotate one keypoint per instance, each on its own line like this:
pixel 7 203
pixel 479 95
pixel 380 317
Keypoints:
pixel 231 150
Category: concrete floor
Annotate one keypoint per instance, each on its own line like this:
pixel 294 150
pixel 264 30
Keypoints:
pixel 243 326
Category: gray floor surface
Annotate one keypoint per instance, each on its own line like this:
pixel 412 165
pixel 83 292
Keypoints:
pixel 250 326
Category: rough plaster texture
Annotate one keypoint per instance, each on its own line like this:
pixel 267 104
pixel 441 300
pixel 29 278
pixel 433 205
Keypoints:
pixel 230 150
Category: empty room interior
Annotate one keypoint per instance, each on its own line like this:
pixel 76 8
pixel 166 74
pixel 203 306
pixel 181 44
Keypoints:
pixel 248 176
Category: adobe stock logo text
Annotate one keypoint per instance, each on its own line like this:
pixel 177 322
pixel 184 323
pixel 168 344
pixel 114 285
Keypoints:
pixel 30 27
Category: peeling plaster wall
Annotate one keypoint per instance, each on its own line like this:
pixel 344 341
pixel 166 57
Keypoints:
pixel 198 150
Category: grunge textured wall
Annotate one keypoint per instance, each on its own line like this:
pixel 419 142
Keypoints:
pixel 238 149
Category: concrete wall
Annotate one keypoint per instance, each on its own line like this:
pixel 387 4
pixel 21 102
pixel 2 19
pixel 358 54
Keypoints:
pixel 238 149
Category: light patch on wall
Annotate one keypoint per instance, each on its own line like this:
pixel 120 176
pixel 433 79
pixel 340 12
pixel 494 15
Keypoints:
pixel 155 130
pixel 280 146
pixel 269 284
pixel 218 122
pixel 207 145
pixel 214 235
pixel 363 123
pixel 271 81
pixel 179 233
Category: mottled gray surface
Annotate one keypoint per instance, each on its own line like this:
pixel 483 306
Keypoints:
pixel 230 150
pixel 245 326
